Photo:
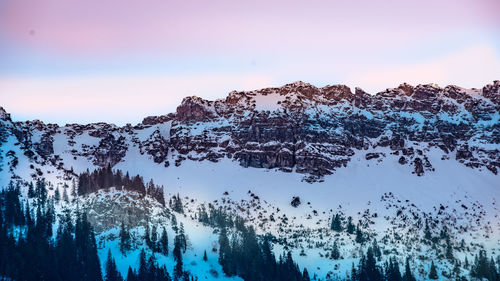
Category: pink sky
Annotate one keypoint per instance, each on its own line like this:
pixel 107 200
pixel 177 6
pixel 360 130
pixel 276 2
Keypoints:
pixel 96 26
pixel 74 50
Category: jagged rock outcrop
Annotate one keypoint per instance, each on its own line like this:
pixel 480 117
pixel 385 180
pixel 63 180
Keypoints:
pixel 45 147
pixel 108 209
pixel 156 146
pixel 110 151
pixel 297 127
pixel 195 109
pixel 4 115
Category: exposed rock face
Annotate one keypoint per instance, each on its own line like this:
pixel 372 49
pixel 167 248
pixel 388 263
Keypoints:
pixel 4 115
pixel 194 109
pixel 301 128
pixel 45 147
pixel 110 151
pixel 318 130
pixel 295 202
pixel 156 146
pixel 108 209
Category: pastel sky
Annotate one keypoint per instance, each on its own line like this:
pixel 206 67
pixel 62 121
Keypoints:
pixel 118 61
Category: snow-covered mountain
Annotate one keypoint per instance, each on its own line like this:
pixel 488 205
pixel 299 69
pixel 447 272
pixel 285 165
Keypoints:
pixel 401 163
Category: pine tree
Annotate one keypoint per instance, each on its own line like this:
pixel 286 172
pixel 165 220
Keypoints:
pixel 449 250
pixel 359 235
pixel 142 274
pixel 112 273
pixel 456 270
pixel 87 248
pixel 125 243
pixel 224 250
pixel 164 242
pixel 57 195
pixel 203 215
pixel 182 238
pixel 131 275
pixel 50 218
pixel 65 195
pixel 444 233
pixel 354 273
pixel 13 213
pixel 368 269
pixel 65 246
pixel 305 275
pixel 174 223
pixel 147 236
pixel 408 275
pixel 268 258
pixel 427 232
pixel 433 275
pixel 152 268
pixel 462 244
pixel 498 263
pixel 154 239
pixel 41 192
pixel 493 274
pixel 205 258
pixel 73 190
pixel 31 190
pixel 484 269
pixel 177 253
pixel 176 204
pixel 392 272
pixel 29 221
pixel 376 249
pixel 335 251
pixel 336 223
pixel 350 228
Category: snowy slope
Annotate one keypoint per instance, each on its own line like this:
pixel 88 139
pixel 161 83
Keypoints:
pixel 392 162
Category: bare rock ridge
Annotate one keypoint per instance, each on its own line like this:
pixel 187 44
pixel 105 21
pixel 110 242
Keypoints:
pixel 295 128
pixel 4 115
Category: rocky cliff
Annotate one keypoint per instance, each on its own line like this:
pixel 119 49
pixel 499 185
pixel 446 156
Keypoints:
pixel 297 127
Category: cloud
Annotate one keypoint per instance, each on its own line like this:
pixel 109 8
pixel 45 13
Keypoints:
pixel 125 26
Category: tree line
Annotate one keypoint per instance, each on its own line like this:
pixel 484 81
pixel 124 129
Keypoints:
pixel 32 248
pixel 244 253
pixel 104 178
pixel 483 268
pixel 251 258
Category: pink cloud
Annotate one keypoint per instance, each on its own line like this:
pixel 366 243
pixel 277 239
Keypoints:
pixel 96 26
